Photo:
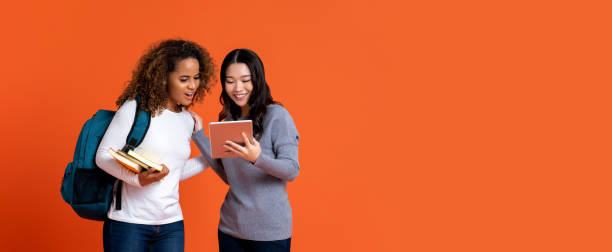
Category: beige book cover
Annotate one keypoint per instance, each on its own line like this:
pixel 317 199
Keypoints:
pixel 134 161
pixel 147 162
pixel 138 162
pixel 230 130
pixel 126 162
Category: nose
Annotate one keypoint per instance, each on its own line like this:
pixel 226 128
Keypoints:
pixel 192 84
pixel 239 86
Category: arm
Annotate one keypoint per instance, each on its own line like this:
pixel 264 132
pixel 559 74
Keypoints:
pixel 285 138
pixel 115 137
pixel 194 166
pixel 203 144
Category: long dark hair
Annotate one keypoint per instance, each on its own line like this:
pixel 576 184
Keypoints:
pixel 260 95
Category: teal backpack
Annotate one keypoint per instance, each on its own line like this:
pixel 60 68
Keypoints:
pixel 87 188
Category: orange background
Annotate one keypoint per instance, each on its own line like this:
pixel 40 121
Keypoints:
pixel 425 125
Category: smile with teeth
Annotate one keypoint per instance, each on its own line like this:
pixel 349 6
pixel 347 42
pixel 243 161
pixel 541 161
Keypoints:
pixel 240 96
pixel 189 95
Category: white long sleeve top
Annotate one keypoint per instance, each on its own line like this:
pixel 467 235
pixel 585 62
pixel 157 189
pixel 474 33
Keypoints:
pixel 167 142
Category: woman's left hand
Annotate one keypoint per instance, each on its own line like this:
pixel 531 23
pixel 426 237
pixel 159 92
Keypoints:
pixel 250 151
pixel 197 121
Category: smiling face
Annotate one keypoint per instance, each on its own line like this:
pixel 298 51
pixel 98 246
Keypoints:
pixel 182 83
pixel 238 85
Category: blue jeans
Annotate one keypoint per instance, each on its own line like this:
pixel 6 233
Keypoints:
pixel 127 237
pixel 229 243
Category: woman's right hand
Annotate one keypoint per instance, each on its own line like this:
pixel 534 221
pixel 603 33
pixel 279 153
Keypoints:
pixel 197 121
pixel 151 175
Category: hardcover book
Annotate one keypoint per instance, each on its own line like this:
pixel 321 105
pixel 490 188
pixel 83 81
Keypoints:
pixel 134 161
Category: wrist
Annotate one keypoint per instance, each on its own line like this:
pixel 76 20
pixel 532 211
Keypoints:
pixel 140 179
pixel 255 159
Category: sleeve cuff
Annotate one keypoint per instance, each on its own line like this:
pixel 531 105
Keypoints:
pixel 136 181
pixel 261 161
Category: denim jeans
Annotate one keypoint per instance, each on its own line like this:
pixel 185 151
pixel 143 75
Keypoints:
pixel 229 243
pixel 127 237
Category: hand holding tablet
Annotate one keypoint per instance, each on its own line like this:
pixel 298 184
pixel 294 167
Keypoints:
pixel 220 132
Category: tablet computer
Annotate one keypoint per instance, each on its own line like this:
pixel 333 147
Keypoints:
pixel 229 130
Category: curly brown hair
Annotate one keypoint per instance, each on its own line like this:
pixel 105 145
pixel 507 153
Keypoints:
pixel 150 77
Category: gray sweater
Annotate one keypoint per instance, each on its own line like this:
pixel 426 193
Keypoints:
pixel 256 206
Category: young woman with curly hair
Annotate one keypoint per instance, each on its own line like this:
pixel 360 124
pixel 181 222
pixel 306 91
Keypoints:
pixel 169 77
pixel 256 214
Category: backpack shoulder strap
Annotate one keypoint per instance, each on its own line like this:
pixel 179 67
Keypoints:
pixel 142 120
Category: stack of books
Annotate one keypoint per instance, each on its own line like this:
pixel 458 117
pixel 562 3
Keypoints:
pixel 134 161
